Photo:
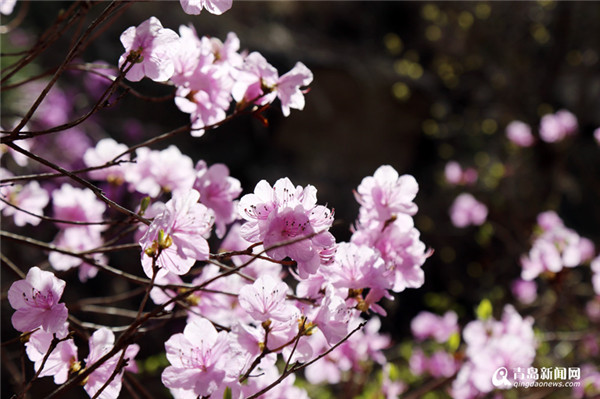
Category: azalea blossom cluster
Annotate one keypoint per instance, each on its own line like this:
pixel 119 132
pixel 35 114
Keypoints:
pixel 456 175
pixel 49 344
pixel 553 128
pixel 554 247
pixel 491 344
pixel 258 283
pixel 466 211
pixel 208 74
pixel 269 318
pixel 427 326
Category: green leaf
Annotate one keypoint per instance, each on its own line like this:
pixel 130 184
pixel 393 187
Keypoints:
pixel 144 205
pixel 484 309
pixel 454 342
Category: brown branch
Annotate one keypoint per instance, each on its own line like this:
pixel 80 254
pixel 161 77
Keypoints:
pixel 91 261
pixel 72 53
pixel 50 219
pixel 302 366
pixel 98 192
pixel 50 36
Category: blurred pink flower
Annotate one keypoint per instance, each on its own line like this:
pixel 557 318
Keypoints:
pixel 491 344
pixel 105 150
pixel 555 127
pixel 455 174
pixel 556 247
pixel 596 274
pixel 525 291
pixel 7 6
pixel 77 239
pixel 520 133
pixel 428 325
pixel 77 205
pixel 31 198
pixel 168 170
pixel 466 210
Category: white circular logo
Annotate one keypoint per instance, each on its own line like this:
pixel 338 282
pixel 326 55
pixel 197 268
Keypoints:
pixel 500 378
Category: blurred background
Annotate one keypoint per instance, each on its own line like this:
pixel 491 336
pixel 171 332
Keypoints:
pixel 410 84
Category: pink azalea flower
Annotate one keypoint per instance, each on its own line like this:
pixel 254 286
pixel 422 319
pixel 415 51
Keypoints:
pixel 217 7
pixel 31 198
pixel 167 170
pixel 222 309
pixel 218 192
pixel 549 220
pixel 442 364
pixel 391 389
pixel 596 274
pixel 161 295
pixel 266 299
pixel 289 88
pixel 418 362
pixel 597 135
pixel 331 368
pixel 7 6
pixel 234 242
pixel 101 342
pixel 77 239
pixel 35 300
pixel 364 346
pixel 357 267
pixel 333 318
pixel 206 97
pixel 386 194
pixel 226 53
pixel 555 127
pixel 525 291
pixel 77 205
pixel 188 54
pixel 556 247
pixel 260 83
pixel 152 43
pixel 428 325
pixel 184 225
pixel 492 344
pixel 466 210
pixel 590 382
pixel 456 175
pixel 400 247
pixel 520 133
pixel 59 362
pixel 287 214
pixel 199 360
pixel 105 151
